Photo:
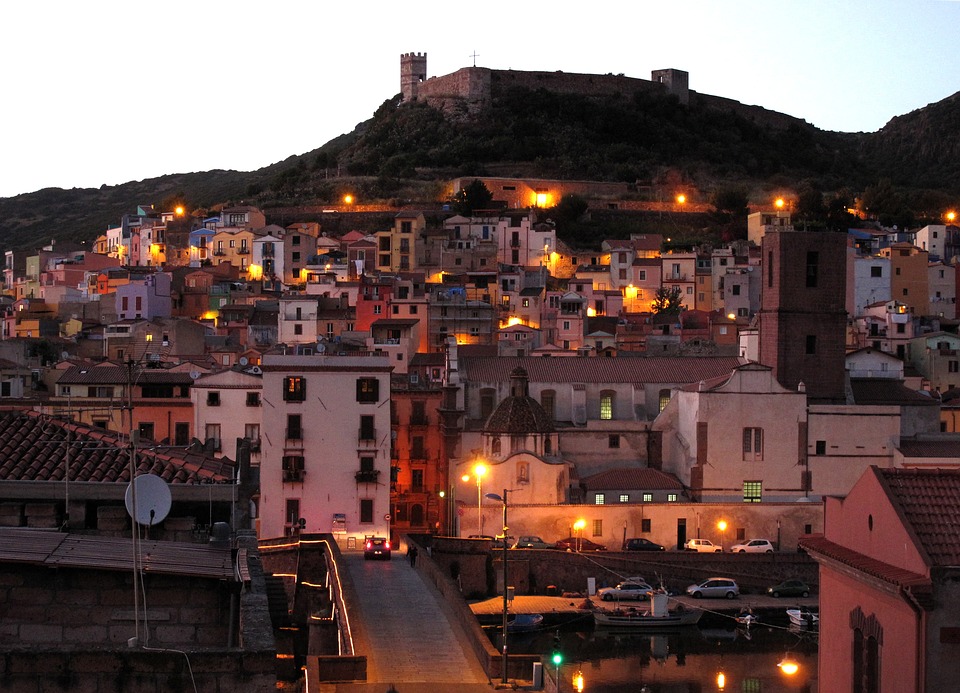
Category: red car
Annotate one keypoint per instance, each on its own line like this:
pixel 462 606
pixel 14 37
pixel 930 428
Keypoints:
pixel 579 544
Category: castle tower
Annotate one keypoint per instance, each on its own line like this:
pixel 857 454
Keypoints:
pixel 803 313
pixel 413 70
pixel 677 82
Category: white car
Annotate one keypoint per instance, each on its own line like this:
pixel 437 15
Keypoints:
pixel 702 546
pixel 625 590
pixel 753 546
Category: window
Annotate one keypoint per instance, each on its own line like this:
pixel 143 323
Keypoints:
pixel 181 434
pixel 645 525
pixel 294 388
pixel 366 511
pixel 598 528
pixel 146 430
pixel 253 399
pixel 547 401
pixel 495 446
pixel 752 491
pixel 752 444
pixel 647 497
pixel 213 399
pixel 298 329
pixel 735 289
pixel 599 499
pixel 212 436
pixel 671 497
pixel 606 406
pixel 821 447
pixel 417 449
pixel 813 268
pixel 252 433
pixel 952 367
pixel 664 398
pixel 624 497
pixel 613 440
pixel 368 390
pixel 876 271
pixel 294 429
pixel 366 428
pixel 487 395
pixel 811 344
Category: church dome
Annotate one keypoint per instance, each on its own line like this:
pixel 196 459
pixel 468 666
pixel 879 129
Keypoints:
pixel 519 413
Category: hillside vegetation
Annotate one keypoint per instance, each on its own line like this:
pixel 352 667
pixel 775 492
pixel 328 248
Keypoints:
pixel 908 171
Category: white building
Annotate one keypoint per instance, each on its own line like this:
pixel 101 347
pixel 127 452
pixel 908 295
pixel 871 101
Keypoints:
pixel 325 446
pixel 226 407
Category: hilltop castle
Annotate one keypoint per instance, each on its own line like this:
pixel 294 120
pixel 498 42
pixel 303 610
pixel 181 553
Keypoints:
pixel 470 90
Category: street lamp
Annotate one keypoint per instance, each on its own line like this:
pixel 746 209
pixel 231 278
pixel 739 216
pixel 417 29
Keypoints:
pixel 503 663
pixel 722 526
pixel 578 526
pixel 479 470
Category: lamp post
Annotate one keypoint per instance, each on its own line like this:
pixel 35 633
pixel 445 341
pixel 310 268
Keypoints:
pixel 503 663
pixel 479 470
pixel 579 525
pixel 722 526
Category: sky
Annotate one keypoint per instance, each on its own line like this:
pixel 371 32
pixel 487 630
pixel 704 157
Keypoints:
pixel 106 92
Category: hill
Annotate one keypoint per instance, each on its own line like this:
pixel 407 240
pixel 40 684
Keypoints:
pixel 646 137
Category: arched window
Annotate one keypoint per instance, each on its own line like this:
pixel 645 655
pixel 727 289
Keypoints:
pixel 606 405
pixel 523 472
pixel 487 397
pixel 547 401
pixel 664 398
pixel 547 445
pixel 495 446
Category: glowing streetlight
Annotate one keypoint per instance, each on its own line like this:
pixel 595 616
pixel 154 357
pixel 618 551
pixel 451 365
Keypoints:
pixel 721 681
pixel 722 526
pixel 681 199
pixel 578 681
pixel 732 316
pixel 479 470
pixel 951 216
pixel 788 665
pixel 779 203
pixel 578 526
pixel 179 210
pixel 348 199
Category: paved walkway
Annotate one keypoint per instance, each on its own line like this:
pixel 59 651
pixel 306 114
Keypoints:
pixel 406 634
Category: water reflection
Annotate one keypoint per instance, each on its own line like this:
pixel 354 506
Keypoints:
pixel 685 659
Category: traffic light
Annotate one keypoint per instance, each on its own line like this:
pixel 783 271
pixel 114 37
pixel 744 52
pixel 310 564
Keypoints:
pixel 557 657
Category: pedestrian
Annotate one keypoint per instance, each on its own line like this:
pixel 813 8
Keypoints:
pixel 413 555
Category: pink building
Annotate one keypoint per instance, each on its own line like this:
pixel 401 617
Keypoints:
pixel 890 583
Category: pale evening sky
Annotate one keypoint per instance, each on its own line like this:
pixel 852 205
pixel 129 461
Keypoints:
pixel 105 92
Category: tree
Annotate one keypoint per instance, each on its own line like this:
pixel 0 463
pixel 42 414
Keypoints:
pixel 730 202
pixel 569 209
pixel 474 196
pixel 668 301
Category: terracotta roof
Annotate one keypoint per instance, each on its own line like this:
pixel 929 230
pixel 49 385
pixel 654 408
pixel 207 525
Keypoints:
pixel 33 448
pixel 929 500
pixel 599 370
pixel 59 550
pixel 118 375
pixel 818 544
pixel 880 391
pixel 641 479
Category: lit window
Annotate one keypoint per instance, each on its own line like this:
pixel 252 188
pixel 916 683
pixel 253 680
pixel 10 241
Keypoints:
pixel 295 389
pixel 752 491
pixel 598 528
pixel 624 497
pixel 671 497
pixel 647 497
pixel 599 499
pixel 606 406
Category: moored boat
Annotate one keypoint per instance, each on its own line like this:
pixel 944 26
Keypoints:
pixel 658 616
pixel 805 618
pixel 523 623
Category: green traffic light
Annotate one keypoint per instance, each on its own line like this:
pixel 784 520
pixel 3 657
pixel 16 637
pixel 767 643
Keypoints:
pixel 557 658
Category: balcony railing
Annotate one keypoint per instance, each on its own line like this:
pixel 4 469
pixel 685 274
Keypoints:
pixel 293 475
pixel 367 476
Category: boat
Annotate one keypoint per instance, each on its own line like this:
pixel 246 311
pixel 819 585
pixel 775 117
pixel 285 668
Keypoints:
pixel 524 623
pixel 805 618
pixel 659 616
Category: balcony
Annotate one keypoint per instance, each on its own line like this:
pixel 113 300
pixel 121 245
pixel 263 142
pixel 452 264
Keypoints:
pixel 367 476
pixel 421 420
pixel 243 251
pixel 368 436
pixel 293 475
pixel 219 253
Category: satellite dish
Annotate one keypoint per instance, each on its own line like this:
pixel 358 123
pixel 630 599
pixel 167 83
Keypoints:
pixel 153 499
pixel 244 360
pixel 321 347
pixel 194 374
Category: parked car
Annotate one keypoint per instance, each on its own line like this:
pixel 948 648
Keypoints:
pixel 579 544
pixel 530 541
pixel 753 546
pixel 790 588
pixel 625 590
pixel 376 547
pixel 715 587
pixel 702 546
pixel 641 544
